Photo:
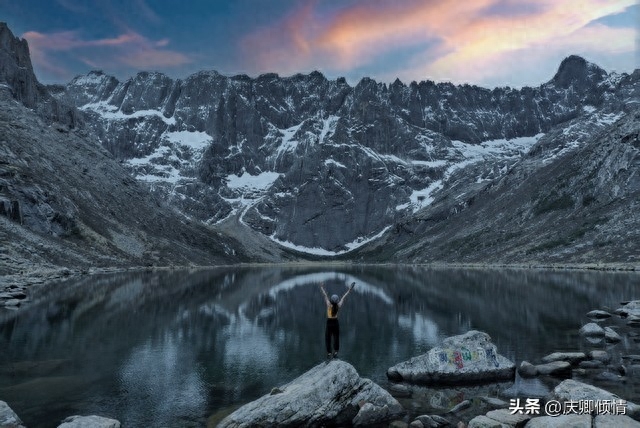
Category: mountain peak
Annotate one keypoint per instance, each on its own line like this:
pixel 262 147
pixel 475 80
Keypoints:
pixel 575 68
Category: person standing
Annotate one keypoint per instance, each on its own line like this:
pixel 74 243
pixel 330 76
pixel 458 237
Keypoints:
pixel 332 330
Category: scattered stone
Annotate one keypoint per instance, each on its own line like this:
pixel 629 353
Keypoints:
pixel 592 330
pixel 484 422
pixel 591 364
pixel 467 358
pixel 13 303
pixel 331 393
pixel 633 359
pixel 571 357
pixel 506 417
pixel 598 314
pixel 460 406
pixel 631 308
pixel 427 421
pixel 416 424
pixel 89 422
pixel 495 402
pixel 611 336
pixel 527 369
pixel 633 321
pixel 615 421
pixel 555 368
pixel 400 390
pixel 8 418
pixel 398 424
pixel 608 376
pixel 600 355
pixel 562 421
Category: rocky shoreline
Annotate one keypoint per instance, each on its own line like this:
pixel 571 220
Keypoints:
pixel 472 386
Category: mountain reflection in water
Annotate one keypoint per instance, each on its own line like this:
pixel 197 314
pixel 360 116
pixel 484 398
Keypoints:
pixel 171 348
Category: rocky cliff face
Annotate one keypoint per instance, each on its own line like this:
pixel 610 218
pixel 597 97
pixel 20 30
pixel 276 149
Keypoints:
pixel 321 166
pixel 558 204
pixel 16 74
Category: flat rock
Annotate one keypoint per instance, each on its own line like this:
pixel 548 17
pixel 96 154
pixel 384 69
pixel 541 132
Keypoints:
pixel 331 393
pixel 592 330
pixel 598 314
pixel 506 417
pixel 92 421
pixel 614 421
pixel 463 359
pixel 591 364
pixel 562 421
pixel 600 355
pixel 8 417
pixel 571 357
pixel 485 422
pixel 555 368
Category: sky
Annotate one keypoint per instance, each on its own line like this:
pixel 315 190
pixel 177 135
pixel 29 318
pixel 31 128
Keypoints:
pixel 482 42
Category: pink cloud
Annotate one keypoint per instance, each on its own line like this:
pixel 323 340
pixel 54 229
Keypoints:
pixel 459 40
pixel 129 49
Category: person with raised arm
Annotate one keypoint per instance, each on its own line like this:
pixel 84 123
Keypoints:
pixel 333 326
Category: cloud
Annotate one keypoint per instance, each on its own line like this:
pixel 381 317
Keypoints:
pixel 51 51
pixel 449 39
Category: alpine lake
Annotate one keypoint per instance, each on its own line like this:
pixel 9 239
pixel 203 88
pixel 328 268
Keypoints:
pixel 175 348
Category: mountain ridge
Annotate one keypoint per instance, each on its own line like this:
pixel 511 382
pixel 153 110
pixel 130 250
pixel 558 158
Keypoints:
pixel 322 168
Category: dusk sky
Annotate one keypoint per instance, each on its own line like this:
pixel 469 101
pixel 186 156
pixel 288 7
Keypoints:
pixel 484 42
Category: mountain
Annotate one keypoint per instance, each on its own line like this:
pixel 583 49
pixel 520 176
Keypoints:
pixel 322 167
pixel 215 169
pixel 65 201
pixel 579 206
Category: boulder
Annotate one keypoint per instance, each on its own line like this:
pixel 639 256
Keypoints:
pixel 592 330
pixel 331 393
pixel 8 418
pixel 562 421
pixel 463 359
pixel 614 421
pixel 485 422
pixel 527 369
pixel 571 357
pixel 574 390
pixel 630 308
pixel 92 421
pixel 610 335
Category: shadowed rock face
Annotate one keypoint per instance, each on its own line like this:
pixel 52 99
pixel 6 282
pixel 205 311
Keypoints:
pixel 16 72
pixel 330 394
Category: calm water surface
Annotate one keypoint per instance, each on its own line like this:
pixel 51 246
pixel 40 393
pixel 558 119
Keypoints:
pixel 165 349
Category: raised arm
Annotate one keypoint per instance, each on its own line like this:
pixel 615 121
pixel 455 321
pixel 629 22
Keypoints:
pixel 353 284
pixel 324 293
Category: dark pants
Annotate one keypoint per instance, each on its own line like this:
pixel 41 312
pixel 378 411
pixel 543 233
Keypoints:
pixel 332 330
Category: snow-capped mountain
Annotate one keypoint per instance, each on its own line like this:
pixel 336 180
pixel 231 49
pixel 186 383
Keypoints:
pixel 323 167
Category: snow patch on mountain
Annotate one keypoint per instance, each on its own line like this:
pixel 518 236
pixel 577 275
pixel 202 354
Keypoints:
pixel 111 112
pixel 468 154
pixel 357 243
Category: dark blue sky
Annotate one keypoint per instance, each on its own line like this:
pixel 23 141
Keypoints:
pixel 485 42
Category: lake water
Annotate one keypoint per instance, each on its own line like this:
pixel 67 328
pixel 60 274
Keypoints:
pixel 165 349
